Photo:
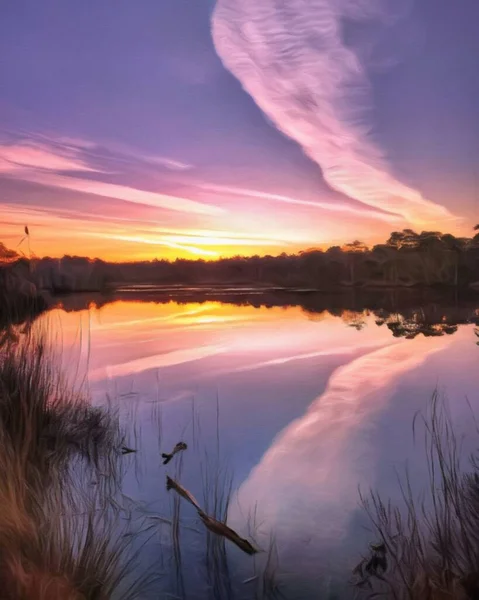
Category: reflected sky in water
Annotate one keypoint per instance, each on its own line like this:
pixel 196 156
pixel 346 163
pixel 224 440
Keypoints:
pixel 310 407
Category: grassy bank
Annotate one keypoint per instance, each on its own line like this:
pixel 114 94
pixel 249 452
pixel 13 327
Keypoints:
pixel 427 546
pixel 57 538
pixel 67 530
pixel 19 303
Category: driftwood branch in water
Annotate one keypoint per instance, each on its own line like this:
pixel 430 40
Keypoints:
pixel 222 529
pixel 171 484
pixel 210 523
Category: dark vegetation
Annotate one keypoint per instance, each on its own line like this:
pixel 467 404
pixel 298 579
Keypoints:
pixel 56 541
pixel 428 546
pixel 19 299
pixel 406 259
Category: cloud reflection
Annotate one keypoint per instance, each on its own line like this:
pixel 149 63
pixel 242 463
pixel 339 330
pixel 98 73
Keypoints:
pixel 323 456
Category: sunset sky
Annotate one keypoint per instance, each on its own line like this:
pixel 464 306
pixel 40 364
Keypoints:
pixel 202 128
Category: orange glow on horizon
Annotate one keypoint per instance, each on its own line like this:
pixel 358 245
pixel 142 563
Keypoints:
pixel 123 256
pixel 136 232
pixel 123 246
pixel 75 216
pixel 115 243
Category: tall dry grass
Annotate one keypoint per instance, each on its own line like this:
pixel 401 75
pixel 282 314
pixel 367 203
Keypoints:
pixel 61 537
pixel 429 544
pixel 64 530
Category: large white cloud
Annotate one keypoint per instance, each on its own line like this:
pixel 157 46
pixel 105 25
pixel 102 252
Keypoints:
pixel 290 56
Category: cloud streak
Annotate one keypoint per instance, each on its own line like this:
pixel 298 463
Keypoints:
pixel 329 206
pixel 64 153
pixel 161 242
pixel 15 158
pixel 291 58
pixel 51 162
pixel 122 192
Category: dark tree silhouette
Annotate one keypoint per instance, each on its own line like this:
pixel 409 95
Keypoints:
pixel 406 259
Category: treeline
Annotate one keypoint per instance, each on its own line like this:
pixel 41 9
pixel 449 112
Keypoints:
pixel 406 259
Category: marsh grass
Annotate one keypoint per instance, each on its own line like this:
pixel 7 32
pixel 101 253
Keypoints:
pixel 67 530
pixel 217 485
pixel 431 542
pixel 19 303
pixel 42 415
pixel 54 552
pixel 62 534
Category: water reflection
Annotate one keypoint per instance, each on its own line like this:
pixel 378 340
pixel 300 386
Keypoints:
pixel 305 486
pixel 313 402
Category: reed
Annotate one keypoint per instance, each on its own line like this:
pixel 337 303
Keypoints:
pixel 430 544
pixel 60 535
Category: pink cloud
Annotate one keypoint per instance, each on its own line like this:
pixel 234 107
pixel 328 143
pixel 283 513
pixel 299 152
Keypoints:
pixel 21 156
pixel 320 204
pixel 292 59
pixel 125 193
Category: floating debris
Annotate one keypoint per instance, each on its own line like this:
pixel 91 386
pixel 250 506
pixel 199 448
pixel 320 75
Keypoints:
pixel 376 565
pixel 178 448
pixel 126 450
pixel 373 566
pixel 381 548
pixel 359 570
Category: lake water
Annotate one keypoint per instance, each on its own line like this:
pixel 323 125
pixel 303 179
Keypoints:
pixel 300 408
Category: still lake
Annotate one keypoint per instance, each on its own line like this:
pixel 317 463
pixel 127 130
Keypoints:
pixel 299 408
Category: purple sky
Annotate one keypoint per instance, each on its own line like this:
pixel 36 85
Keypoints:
pixel 177 127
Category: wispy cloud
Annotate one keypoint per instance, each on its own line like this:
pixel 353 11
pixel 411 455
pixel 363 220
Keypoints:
pixel 321 205
pixel 26 155
pixel 73 142
pixel 152 159
pixel 291 58
pixel 52 216
pixel 175 165
pixel 122 192
pixel 131 203
pixel 51 161
pixel 160 242
pixel 20 150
